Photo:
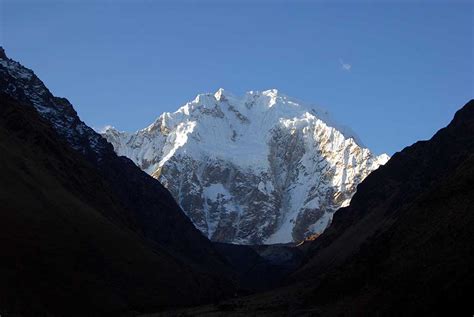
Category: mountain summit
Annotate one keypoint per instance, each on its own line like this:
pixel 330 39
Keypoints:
pixel 262 168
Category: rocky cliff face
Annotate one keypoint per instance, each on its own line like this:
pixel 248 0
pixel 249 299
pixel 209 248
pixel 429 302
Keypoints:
pixel 264 168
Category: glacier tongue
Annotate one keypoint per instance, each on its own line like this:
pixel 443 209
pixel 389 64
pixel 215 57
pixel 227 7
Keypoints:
pixel 263 168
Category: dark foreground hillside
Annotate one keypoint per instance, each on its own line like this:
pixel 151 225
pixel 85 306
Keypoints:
pixel 404 246
pixel 61 253
pixel 146 206
pixel 83 231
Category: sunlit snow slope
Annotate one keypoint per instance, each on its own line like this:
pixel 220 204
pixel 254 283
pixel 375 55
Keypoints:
pixel 264 168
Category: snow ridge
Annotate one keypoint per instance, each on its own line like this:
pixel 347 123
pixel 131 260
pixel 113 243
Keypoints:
pixel 262 168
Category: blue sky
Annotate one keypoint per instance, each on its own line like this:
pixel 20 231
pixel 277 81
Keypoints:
pixel 395 72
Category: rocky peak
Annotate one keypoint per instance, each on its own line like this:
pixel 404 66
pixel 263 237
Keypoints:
pixel 219 95
pixel 3 55
pixel 262 168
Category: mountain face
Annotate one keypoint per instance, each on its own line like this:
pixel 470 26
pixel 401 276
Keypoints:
pixel 264 168
pixel 404 245
pixel 82 230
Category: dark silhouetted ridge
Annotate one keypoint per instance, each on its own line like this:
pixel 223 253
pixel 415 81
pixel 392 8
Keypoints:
pixel 83 231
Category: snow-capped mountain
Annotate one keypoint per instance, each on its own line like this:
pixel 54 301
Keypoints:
pixel 263 168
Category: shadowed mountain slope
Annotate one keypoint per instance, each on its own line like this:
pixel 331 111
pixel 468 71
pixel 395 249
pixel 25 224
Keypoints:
pixel 149 207
pixel 83 231
pixel 66 246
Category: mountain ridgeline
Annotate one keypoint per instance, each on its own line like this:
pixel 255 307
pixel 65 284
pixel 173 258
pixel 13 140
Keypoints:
pixel 263 168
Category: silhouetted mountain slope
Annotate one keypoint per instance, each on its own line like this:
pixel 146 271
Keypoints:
pixel 421 264
pixel 150 208
pixel 404 246
pixel 66 248
pixel 83 231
